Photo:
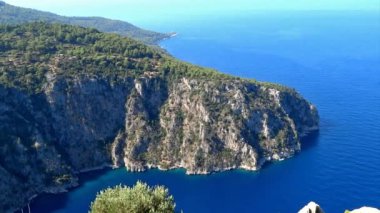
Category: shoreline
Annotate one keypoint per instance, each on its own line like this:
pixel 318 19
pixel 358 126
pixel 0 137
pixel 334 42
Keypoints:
pixel 96 168
pixel 262 164
pixel 64 189
pixel 169 36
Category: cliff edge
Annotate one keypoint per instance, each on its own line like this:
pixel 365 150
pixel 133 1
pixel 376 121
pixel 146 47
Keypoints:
pixel 73 99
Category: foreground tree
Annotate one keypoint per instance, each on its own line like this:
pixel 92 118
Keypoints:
pixel 137 199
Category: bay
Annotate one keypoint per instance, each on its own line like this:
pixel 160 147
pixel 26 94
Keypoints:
pixel 332 58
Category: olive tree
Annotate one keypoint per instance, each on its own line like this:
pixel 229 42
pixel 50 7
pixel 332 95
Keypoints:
pixel 140 198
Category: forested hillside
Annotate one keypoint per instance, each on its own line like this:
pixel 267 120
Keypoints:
pixel 74 99
pixel 17 15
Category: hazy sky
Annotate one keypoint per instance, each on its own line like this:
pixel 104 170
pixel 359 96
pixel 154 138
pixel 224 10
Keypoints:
pixel 204 4
pixel 144 9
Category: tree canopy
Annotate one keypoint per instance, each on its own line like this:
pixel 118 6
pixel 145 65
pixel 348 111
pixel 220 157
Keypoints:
pixel 29 52
pixel 140 198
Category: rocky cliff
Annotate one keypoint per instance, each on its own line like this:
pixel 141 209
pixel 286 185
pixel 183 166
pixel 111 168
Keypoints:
pixel 77 106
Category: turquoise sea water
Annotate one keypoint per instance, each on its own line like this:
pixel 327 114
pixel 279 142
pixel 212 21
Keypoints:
pixel 332 59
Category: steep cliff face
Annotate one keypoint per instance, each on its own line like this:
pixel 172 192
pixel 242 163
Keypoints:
pixel 199 125
pixel 30 161
pixel 205 126
pixel 65 112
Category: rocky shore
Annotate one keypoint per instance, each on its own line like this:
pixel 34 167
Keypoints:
pixel 64 112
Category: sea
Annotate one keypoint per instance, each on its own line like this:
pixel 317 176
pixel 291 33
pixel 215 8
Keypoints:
pixel 332 58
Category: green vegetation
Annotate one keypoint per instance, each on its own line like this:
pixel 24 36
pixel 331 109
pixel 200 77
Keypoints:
pixel 28 52
pixel 17 15
pixel 137 199
pixel 72 94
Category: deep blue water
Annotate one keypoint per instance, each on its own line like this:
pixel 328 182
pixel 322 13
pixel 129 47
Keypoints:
pixel 332 59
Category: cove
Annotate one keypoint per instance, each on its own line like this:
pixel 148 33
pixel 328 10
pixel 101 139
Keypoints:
pixel 332 58
pixel 185 188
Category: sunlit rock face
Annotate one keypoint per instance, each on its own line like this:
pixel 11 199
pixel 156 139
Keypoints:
pixel 200 125
pixel 70 104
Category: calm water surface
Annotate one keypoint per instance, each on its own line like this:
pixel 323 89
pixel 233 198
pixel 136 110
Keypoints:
pixel 333 59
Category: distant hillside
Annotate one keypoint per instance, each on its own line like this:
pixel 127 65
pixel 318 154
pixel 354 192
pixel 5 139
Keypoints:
pixel 10 14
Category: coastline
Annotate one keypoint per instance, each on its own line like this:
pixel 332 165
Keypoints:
pixel 169 36
pixel 65 189
pixel 173 34
pixel 96 168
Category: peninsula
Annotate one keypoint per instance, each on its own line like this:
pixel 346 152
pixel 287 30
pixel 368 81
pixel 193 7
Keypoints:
pixel 74 99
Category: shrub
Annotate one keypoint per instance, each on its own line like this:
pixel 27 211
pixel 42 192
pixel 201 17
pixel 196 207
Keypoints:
pixel 137 199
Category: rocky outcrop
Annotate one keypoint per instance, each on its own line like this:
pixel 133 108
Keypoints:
pixel 74 99
pixel 206 126
pixel 200 125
